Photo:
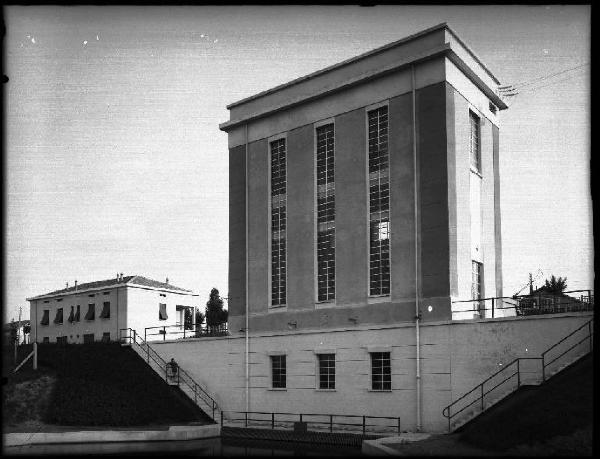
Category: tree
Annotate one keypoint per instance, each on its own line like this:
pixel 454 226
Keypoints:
pixel 199 321
pixel 555 285
pixel 215 315
pixel 188 317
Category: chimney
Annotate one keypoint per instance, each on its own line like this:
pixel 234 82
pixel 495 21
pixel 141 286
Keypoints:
pixel 75 284
pixel 167 281
pixel 121 278
pixel 117 277
pixel 66 285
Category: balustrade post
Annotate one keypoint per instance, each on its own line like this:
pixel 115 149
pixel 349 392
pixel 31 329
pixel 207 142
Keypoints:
pixel 246 418
pixel 543 368
pixel 148 353
pixel 493 308
pixel 364 424
pixel 221 418
pixel 164 333
pixel 300 417
pixel 145 335
pixel 213 407
pixel 272 420
pixel 398 426
pixel 331 422
pixel 134 340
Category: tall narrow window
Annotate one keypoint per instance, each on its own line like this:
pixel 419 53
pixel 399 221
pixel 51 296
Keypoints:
pixel 326 371
pixel 278 367
pixel 46 317
pixel 91 312
pixel 381 371
pixel 325 213
pixel 78 314
pixel 59 316
pixel 475 142
pixel 379 203
pixel 278 223
pixel 162 311
pixel 105 314
pixel 476 289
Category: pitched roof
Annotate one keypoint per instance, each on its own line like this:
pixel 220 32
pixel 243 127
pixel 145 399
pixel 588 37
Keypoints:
pixel 126 280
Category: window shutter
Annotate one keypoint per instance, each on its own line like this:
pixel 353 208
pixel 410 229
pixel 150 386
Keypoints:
pixel 105 310
pixel 162 311
pixel 91 312
pixel 45 317
pixel 59 316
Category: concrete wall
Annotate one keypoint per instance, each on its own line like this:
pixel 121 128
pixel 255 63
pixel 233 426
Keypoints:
pixel 455 357
pixel 237 231
pixel 75 331
pixel 142 309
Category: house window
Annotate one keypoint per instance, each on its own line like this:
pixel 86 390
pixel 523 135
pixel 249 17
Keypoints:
pixel 475 142
pixel 46 317
pixel 381 371
pixel 71 318
pixel 278 222
pixel 106 293
pixel 379 202
pixel 278 371
pixel 326 371
pixel 106 337
pixel 58 319
pixel 61 340
pixel 162 311
pixel 476 286
pixel 77 314
pixel 46 340
pixel 90 315
pixel 325 163
pixel 88 338
pixel 105 314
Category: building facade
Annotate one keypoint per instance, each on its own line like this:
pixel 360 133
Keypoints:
pixel 97 311
pixel 366 188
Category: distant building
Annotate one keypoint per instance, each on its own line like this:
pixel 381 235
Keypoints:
pixel 96 311
pixel 544 300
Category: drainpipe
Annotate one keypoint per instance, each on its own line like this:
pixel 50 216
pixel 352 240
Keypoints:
pixel 246 292
pixel 417 266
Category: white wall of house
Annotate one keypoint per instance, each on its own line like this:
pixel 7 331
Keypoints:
pixel 456 356
pixel 74 331
pixel 143 309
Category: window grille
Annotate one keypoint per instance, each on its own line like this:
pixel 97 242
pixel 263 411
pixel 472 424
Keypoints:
pixel 59 316
pixel 379 203
pixel 278 371
pixel 88 338
pixel 90 315
pixel 325 213
pixel 476 285
pixel 381 371
pixel 278 222
pixel 326 371
pixel 475 142
pixel 105 314
pixel 46 317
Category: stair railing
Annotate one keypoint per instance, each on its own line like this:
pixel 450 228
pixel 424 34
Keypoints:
pixel 184 378
pixel 479 392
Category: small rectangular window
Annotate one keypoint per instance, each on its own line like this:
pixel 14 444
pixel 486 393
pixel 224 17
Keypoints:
pixel 162 311
pixel 278 371
pixel 105 314
pixel 61 340
pixel 92 295
pixel 475 142
pixel 326 371
pixel 90 315
pixel 106 293
pixel 46 317
pixel 381 371
pixel 59 300
pixel 88 338
pixel 476 287
pixel 59 316
pixel 46 340
pixel 106 337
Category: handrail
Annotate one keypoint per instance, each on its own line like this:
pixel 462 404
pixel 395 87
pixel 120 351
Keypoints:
pixel 446 412
pixel 302 418
pixel 195 332
pixel 183 376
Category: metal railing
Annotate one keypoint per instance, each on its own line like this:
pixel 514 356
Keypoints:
pixel 180 331
pixel 183 378
pixel 524 305
pixel 515 368
pixel 364 424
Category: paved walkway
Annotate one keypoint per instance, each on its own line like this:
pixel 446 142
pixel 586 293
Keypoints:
pixel 422 444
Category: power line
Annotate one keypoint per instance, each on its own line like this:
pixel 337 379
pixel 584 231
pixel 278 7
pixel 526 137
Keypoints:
pixel 511 88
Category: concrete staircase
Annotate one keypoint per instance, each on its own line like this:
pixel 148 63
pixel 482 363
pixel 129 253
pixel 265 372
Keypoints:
pixel 183 380
pixel 505 382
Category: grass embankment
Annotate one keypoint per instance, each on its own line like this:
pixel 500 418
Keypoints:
pixel 93 385
pixel 554 418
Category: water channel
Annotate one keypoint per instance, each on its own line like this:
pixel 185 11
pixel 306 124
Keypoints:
pixel 224 447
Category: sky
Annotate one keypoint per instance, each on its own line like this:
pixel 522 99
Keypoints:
pixel 115 163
